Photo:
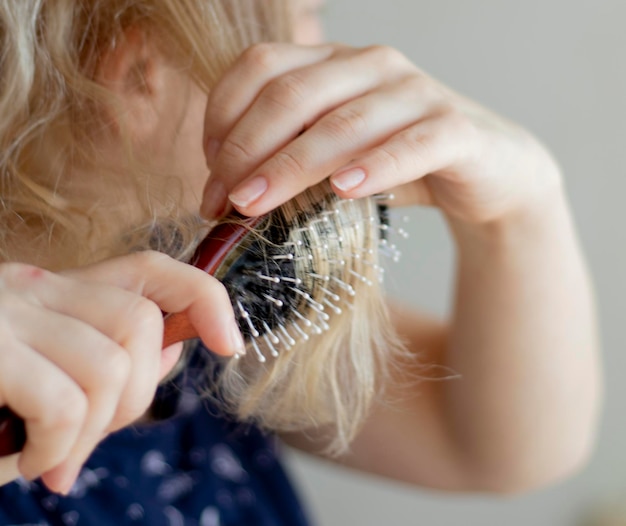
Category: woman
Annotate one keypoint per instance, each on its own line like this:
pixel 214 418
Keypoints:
pixel 111 111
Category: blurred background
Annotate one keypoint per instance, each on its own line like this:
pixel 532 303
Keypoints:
pixel 557 67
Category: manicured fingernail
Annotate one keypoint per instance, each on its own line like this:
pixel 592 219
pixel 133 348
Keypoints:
pixel 215 199
pixel 249 192
pixel 212 148
pixel 348 179
pixel 236 340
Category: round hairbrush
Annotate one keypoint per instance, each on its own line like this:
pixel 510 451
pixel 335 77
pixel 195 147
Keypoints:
pixel 290 275
pixel 288 272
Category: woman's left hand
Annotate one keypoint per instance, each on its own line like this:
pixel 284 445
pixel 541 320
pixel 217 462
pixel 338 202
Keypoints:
pixel 285 117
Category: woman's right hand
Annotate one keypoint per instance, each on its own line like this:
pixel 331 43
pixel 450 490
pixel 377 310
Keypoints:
pixel 80 351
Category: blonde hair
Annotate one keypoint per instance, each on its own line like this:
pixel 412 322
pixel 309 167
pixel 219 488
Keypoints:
pixel 49 96
pixel 48 100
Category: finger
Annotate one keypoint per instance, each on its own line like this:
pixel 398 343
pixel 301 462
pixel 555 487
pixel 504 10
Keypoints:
pixel 338 137
pixel 99 365
pixel 94 362
pixel 102 369
pixel 175 287
pixel 52 406
pixel 433 146
pixel 63 476
pixel 106 337
pixel 235 94
pixel 289 104
pixel 240 85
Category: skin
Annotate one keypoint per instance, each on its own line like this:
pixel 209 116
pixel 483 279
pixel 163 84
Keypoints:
pixel 522 337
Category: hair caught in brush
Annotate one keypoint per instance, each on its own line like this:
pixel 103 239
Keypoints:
pixel 308 296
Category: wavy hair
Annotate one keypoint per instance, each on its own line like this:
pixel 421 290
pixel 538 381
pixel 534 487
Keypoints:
pixel 49 95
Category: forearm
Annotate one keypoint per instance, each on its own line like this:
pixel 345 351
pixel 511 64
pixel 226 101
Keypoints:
pixel 524 342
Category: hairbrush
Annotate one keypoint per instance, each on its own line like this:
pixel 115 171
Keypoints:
pixel 289 275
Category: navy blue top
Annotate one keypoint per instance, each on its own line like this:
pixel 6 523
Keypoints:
pixel 192 469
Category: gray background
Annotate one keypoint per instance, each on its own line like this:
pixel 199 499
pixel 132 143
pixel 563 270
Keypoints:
pixel 556 66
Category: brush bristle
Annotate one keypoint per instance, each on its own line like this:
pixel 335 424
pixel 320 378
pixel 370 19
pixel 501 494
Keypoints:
pixel 299 268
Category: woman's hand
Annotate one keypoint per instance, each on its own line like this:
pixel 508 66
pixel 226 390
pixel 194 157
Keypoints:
pixel 285 117
pixel 81 351
pixel 522 334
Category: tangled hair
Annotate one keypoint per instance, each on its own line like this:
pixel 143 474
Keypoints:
pixel 50 102
pixel 49 95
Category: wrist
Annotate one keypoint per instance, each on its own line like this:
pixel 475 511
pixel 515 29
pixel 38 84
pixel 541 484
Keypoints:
pixel 544 216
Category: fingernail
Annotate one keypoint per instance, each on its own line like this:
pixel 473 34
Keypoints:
pixel 68 481
pixel 249 192
pixel 215 199
pixel 348 179
pixel 212 148
pixel 65 490
pixel 236 339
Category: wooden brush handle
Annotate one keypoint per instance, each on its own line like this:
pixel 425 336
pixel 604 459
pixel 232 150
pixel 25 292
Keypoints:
pixel 221 241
